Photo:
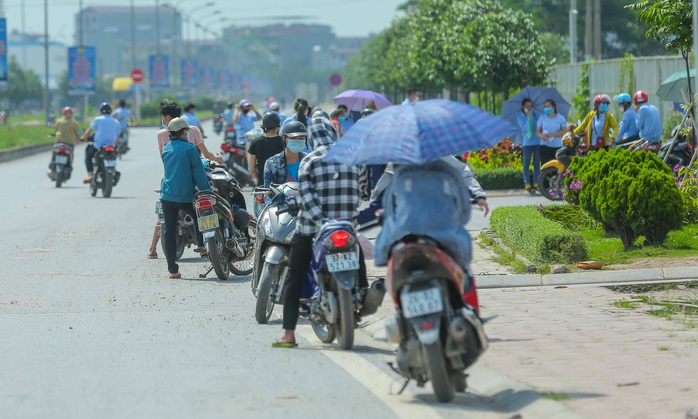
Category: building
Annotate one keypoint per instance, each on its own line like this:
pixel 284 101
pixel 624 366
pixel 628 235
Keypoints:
pixel 28 50
pixel 112 29
pixel 338 55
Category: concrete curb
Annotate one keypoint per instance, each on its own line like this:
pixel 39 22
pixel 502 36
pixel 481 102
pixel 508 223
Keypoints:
pixel 506 192
pixel 592 277
pixel 19 152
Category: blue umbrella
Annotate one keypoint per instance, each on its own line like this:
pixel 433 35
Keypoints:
pixel 511 108
pixel 419 133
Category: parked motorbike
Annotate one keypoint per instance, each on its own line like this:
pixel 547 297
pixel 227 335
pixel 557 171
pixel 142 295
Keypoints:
pixel 105 176
pixel 273 248
pixel 235 160
pixel 217 123
pixel 229 234
pixel 437 324
pixel 186 234
pixel 680 155
pixel 552 179
pixel 225 183
pixel 61 166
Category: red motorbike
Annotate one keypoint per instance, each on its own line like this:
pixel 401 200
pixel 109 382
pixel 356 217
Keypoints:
pixel 437 323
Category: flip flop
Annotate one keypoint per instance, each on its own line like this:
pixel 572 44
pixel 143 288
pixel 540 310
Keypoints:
pixel 284 345
pixel 175 275
pixel 155 256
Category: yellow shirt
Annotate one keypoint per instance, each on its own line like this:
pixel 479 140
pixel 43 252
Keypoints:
pixel 586 126
pixel 67 131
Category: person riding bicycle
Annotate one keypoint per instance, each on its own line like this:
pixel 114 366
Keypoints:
pixel 107 130
pixel 628 130
pixel 649 121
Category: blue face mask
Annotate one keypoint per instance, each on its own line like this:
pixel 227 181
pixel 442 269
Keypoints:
pixel 604 107
pixel 548 111
pixel 342 119
pixel 296 146
pixel 162 124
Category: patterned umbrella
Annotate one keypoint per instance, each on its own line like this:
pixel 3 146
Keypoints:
pixel 356 100
pixel 511 108
pixel 419 133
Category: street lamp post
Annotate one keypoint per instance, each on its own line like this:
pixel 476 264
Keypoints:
pixel 47 105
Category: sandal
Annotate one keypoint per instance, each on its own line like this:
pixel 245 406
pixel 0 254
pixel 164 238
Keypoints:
pixel 278 344
pixel 153 256
pixel 176 275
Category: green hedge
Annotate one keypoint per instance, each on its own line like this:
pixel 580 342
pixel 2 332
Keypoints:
pixel 539 239
pixel 498 179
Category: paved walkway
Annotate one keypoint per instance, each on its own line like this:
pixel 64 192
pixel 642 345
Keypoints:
pixel 599 360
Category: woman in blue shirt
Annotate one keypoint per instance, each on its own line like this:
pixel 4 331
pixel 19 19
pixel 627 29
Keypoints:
pixel 550 130
pixel 531 143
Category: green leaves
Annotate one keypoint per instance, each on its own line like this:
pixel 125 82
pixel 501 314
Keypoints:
pixel 670 22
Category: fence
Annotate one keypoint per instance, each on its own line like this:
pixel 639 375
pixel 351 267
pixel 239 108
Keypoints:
pixel 605 77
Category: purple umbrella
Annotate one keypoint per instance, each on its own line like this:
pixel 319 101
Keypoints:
pixel 419 133
pixel 356 100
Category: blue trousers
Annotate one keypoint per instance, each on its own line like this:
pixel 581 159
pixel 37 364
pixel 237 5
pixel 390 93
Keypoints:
pixel 531 152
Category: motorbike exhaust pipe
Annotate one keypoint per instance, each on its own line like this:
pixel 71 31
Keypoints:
pixel 234 247
pixel 458 329
pixel 374 298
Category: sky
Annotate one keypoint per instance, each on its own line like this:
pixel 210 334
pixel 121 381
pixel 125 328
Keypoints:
pixel 347 17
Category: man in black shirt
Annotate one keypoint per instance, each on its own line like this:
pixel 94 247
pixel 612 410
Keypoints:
pixel 263 147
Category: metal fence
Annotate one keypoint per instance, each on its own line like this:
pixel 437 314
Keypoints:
pixel 605 77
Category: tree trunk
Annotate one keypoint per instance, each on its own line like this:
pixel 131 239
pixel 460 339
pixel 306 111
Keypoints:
pixel 466 97
pixel 685 54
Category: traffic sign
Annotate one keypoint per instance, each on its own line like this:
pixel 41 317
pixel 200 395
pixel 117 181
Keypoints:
pixel 137 76
pixel 336 79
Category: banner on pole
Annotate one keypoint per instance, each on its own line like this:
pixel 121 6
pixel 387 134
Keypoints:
pixel 3 52
pixel 159 71
pixel 81 71
pixel 190 73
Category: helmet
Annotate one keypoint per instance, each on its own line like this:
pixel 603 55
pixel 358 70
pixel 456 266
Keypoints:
pixel 274 106
pixel 271 120
pixel 244 103
pixel 177 124
pixel 320 114
pixel 640 97
pixel 602 99
pixel 105 108
pixel 623 98
pixel 67 109
pixel 294 129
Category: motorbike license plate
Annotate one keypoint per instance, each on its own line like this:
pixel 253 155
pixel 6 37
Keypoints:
pixel 419 303
pixel 109 163
pixel 158 207
pixel 339 262
pixel 61 159
pixel 208 222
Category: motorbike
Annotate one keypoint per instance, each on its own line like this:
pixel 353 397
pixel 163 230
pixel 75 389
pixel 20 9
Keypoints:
pixel 273 249
pixel 552 179
pixel 437 324
pixel 61 167
pixel 186 234
pixel 224 183
pixel 229 234
pixel 106 176
pixel 123 144
pixel 217 124
pixel 680 155
pixel 235 160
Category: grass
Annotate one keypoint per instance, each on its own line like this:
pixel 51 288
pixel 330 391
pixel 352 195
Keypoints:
pixel 15 136
pixel 625 304
pixel 555 396
pixel 503 257
pixel 663 347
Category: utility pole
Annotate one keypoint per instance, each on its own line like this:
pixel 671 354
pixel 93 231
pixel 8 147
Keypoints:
pixel 47 104
pixel 573 31
pixel 597 29
pixel 587 29
pixel 157 25
pixel 24 35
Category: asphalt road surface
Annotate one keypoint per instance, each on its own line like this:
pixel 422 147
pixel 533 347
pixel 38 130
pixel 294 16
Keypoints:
pixel 91 328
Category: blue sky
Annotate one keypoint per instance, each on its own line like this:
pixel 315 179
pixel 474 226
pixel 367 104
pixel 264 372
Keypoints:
pixel 348 17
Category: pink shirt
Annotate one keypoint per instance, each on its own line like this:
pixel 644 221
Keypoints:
pixel 193 137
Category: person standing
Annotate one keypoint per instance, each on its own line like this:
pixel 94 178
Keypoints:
pixel 274 107
pixel 263 147
pixel 597 125
pixel 192 119
pixel 628 125
pixel 412 97
pixel 649 121
pixel 528 122
pixel 284 167
pixel 346 120
pixel 107 130
pixel 184 172
pixel 244 119
pixel 551 127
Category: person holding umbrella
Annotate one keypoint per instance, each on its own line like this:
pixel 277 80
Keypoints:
pixel 598 124
pixel 551 128
pixel 527 121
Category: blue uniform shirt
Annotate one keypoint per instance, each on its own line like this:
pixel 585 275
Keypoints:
pixel 246 123
pixel 649 122
pixel 526 129
pixel 552 124
pixel 628 125
pixel 228 116
pixel 191 119
pixel 106 130
pixel 183 172
pixel 122 115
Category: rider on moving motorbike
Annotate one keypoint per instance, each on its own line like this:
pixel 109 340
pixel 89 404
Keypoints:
pixel 66 132
pixel 107 132
pixel 327 191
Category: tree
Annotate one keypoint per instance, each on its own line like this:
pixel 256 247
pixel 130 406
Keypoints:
pixel 22 85
pixel 556 47
pixel 671 23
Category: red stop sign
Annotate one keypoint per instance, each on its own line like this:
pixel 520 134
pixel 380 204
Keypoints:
pixel 137 76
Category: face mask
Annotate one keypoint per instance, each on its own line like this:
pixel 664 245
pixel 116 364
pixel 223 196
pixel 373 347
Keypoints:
pixel 604 107
pixel 162 123
pixel 548 111
pixel 342 119
pixel 526 111
pixel 296 146
pixel 245 111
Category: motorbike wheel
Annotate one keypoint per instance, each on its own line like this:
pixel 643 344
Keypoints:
pixel 345 332
pixel 326 334
pixel 108 182
pixel 93 188
pixel 215 246
pixel 245 266
pixel 440 380
pixel 547 183
pixel 459 381
pixel 265 302
pixel 59 179
pixel 180 245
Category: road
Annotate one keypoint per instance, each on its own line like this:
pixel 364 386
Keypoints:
pixel 91 328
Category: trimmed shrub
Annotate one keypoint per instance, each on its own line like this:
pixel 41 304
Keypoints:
pixel 634 193
pixel 528 232
pixel 498 179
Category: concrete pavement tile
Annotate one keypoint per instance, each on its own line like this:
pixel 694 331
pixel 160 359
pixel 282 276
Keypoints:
pixel 601 277
pixel 512 280
pixel 690 272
